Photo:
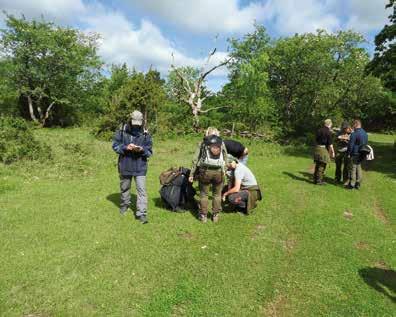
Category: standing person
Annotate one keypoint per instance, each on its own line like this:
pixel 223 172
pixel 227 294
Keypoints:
pixel 342 160
pixel 243 190
pixel 237 150
pixel 323 151
pixel 134 147
pixel 358 138
pixel 209 168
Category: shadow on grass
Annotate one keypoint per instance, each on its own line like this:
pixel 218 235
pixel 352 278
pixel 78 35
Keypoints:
pixel 115 199
pixel 384 162
pixel 385 159
pixel 381 279
pixel 307 177
pixel 191 207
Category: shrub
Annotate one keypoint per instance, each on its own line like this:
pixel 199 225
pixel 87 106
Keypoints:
pixel 18 142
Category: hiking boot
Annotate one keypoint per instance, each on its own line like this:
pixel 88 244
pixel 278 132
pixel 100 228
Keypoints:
pixel 215 217
pixel 123 211
pixel 143 219
pixel 349 186
pixel 357 185
pixel 203 218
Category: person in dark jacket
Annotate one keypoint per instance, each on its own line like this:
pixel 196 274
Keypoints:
pixel 238 150
pixel 342 161
pixel 323 151
pixel 134 147
pixel 358 138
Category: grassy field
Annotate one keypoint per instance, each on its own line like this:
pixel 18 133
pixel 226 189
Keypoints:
pixel 306 251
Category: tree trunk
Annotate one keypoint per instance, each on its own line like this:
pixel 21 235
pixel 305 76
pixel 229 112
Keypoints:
pixel 47 113
pixel 31 109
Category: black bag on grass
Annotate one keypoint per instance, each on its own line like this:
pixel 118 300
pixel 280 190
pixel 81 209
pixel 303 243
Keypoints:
pixel 177 192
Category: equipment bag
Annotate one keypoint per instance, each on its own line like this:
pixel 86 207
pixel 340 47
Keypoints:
pixel 212 152
pixel 178 192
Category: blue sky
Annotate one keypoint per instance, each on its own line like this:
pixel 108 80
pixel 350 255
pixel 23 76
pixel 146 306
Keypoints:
pixel 145 33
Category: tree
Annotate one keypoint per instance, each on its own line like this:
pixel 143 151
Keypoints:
pixel 383 64
pixel 52 66
pixel 143 92
pixel 194 87
pixel 314 76
pixel 248 90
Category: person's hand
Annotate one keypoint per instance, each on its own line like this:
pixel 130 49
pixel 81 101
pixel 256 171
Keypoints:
pixel 138 148
pixel 224 197
pixel 191 179
pixel 130 147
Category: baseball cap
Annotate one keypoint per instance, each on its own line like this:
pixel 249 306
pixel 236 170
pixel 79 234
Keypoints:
pixel 136 118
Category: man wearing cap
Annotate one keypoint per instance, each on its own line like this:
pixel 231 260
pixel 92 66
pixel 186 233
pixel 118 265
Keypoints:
pixel 134 147
pixel 323 151
pixel 243 191
pixel 342 160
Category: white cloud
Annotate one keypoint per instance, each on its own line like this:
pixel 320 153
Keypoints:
pixel 367 15
pixel 205 16
pixel 290 16
pixel 59 10
pixel 140 47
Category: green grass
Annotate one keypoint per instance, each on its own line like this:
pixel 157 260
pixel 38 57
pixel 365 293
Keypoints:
pixel 65 251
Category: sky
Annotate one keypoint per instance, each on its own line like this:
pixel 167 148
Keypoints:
pixel 146 33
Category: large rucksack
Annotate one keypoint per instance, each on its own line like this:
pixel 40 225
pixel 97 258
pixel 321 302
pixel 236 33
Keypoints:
pixel 176 191
pixel 212 152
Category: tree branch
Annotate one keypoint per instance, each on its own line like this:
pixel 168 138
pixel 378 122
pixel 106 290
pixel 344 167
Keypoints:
pixel 214 108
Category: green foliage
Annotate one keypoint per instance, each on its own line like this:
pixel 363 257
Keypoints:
pixel 8 93
pixel 17 142
pixel 143 92
pixel 383 64
pixel 54 68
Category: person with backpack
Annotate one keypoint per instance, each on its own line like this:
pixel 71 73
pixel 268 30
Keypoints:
pixel 134 147
pixel 357 141
pixel 243 190
pixel 238 150
pixel 208 168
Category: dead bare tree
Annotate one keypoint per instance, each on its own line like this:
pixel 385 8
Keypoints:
pixel 194 89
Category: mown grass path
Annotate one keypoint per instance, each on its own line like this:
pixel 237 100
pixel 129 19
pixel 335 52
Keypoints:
pixel 306 251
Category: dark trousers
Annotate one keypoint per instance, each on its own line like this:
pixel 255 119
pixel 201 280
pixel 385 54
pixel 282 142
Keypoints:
pixel 239 199
pixel 320 168
pixel 343 167
pixel 210 178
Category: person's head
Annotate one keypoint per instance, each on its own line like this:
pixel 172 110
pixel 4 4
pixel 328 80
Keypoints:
pixel 328 123
pixel 212 131
pixel 136 118
pixel 346 127
pixel 232 162
pixel 357 124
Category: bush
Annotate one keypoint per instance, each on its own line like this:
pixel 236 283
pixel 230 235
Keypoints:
pixel 18 142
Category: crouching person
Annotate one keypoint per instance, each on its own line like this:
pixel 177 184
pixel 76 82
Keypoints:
pixel 134 147
pixel 243 191
pixel 209 169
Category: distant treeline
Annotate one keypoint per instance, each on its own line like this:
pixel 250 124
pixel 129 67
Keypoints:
pixel 277 87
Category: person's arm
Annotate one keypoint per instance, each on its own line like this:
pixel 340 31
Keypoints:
pixel 331 151
pixel 351 143
pixel 118 145
pixel 147 147
pixel 195 162
pixel 236 188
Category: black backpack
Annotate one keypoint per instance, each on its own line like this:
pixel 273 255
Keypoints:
pixel 178 192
